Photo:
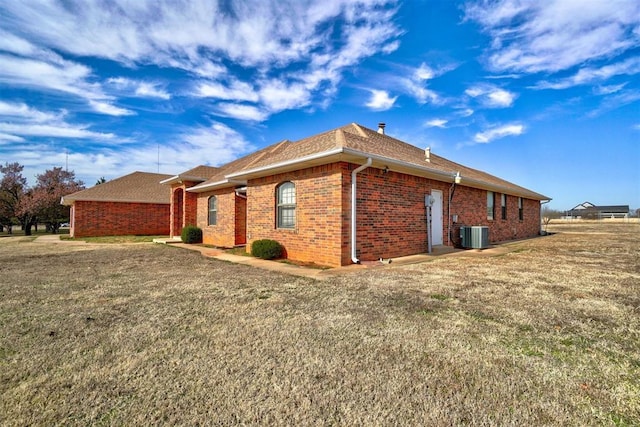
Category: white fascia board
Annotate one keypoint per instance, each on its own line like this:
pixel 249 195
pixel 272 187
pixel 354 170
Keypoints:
pixel 170 180
pixel 213 185
pixel 178 178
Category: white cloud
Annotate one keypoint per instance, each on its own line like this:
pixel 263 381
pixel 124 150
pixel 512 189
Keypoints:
pixel 279 96
pixel 144 89
pixel 19 119
pixel 61 130
pixel 21 111
pixel 216 143
pixel 591 75
pixel 258 39
pixel 616 100
pixel 10 138
pixel 609 89
pixel 465 112
pixel 549 36
pixel 491 96
pixel 111 110
pixel 437 123
pixel 424 72
pixel 235 91
pixel 416 81
pixel 241 112
pixel 380 100
pixel 499 132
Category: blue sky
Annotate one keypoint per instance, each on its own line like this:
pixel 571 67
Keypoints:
pixel 545 94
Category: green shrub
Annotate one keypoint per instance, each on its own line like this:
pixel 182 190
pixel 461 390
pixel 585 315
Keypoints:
pixel 191 234
pixel 266 249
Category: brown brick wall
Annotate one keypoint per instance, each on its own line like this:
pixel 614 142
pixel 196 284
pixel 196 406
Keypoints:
pixel 117 219
pixel 319 216
pixel 183 207
pixel 391 216
pixel 222 234
pixel 471 206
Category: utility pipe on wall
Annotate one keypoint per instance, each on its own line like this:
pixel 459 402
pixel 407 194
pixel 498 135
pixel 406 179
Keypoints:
pixel 355 259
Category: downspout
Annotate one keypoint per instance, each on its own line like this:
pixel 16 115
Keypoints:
pixel 354 259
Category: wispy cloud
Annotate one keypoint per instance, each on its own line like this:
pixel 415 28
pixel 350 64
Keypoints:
pixel 630 66
pixel 380 100
pixel 436 123
pixel 554 35
pixel 291 53
pixel 492 96
pixel 416 84
pixel 235 90
pixel 241 112
pixel 55 74
pixel 137 88
pixel 616 100
pixel 109 109
pixel 489 135
pixel 18 120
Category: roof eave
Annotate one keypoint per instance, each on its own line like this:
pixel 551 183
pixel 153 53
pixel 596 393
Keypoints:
pixel 69 202
pixel 216 185
pixel 348 154
pixel 179 178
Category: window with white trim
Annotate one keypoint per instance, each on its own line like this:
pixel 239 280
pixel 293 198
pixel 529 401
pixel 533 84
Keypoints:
pixel 520 210
pixel 213 210
pixel 286 205
pixel 503 204
pixel 490 205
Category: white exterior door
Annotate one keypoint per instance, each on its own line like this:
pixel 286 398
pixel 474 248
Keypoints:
pixel 436 218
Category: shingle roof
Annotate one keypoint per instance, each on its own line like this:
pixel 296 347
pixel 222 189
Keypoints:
pixel 203 172
pixel 355 139
pixel 137 187
pixel 198 174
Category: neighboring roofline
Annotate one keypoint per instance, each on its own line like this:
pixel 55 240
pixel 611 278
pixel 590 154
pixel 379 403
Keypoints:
pixel 68 201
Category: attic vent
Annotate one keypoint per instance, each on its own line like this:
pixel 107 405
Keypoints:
pixel 381 126
pixel 427 154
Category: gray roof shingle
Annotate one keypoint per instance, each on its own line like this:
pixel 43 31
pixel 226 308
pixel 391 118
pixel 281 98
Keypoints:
pixel 137 187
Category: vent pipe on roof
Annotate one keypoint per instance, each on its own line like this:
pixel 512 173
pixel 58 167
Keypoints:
pixel 381 126
pixel 427 154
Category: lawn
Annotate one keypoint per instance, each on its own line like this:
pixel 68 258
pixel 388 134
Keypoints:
pixel 546 333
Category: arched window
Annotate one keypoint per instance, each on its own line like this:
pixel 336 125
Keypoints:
pixel 286 205
pixel 213 210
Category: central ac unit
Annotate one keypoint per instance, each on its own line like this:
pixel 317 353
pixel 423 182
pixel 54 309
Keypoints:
pixel 474 237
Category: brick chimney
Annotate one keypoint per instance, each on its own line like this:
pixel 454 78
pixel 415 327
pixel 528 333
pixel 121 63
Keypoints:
pixel 381 126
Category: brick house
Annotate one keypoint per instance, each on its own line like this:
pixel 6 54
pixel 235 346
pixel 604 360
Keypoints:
pixel 348 195
pixel 135 204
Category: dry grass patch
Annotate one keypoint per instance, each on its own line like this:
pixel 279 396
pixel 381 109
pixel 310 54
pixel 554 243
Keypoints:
pixel 547 334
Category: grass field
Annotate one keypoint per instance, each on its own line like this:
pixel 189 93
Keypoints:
pixel 546 333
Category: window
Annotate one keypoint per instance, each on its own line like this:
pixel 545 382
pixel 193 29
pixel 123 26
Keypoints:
pixel 286 203
pixel 213 210
pixel 503 203
pixel 520 211
pixel 490 204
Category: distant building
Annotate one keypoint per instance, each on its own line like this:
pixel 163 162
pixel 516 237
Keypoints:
pixel 588 210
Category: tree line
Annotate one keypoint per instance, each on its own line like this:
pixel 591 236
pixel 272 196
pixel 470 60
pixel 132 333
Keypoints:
pixel 28 206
